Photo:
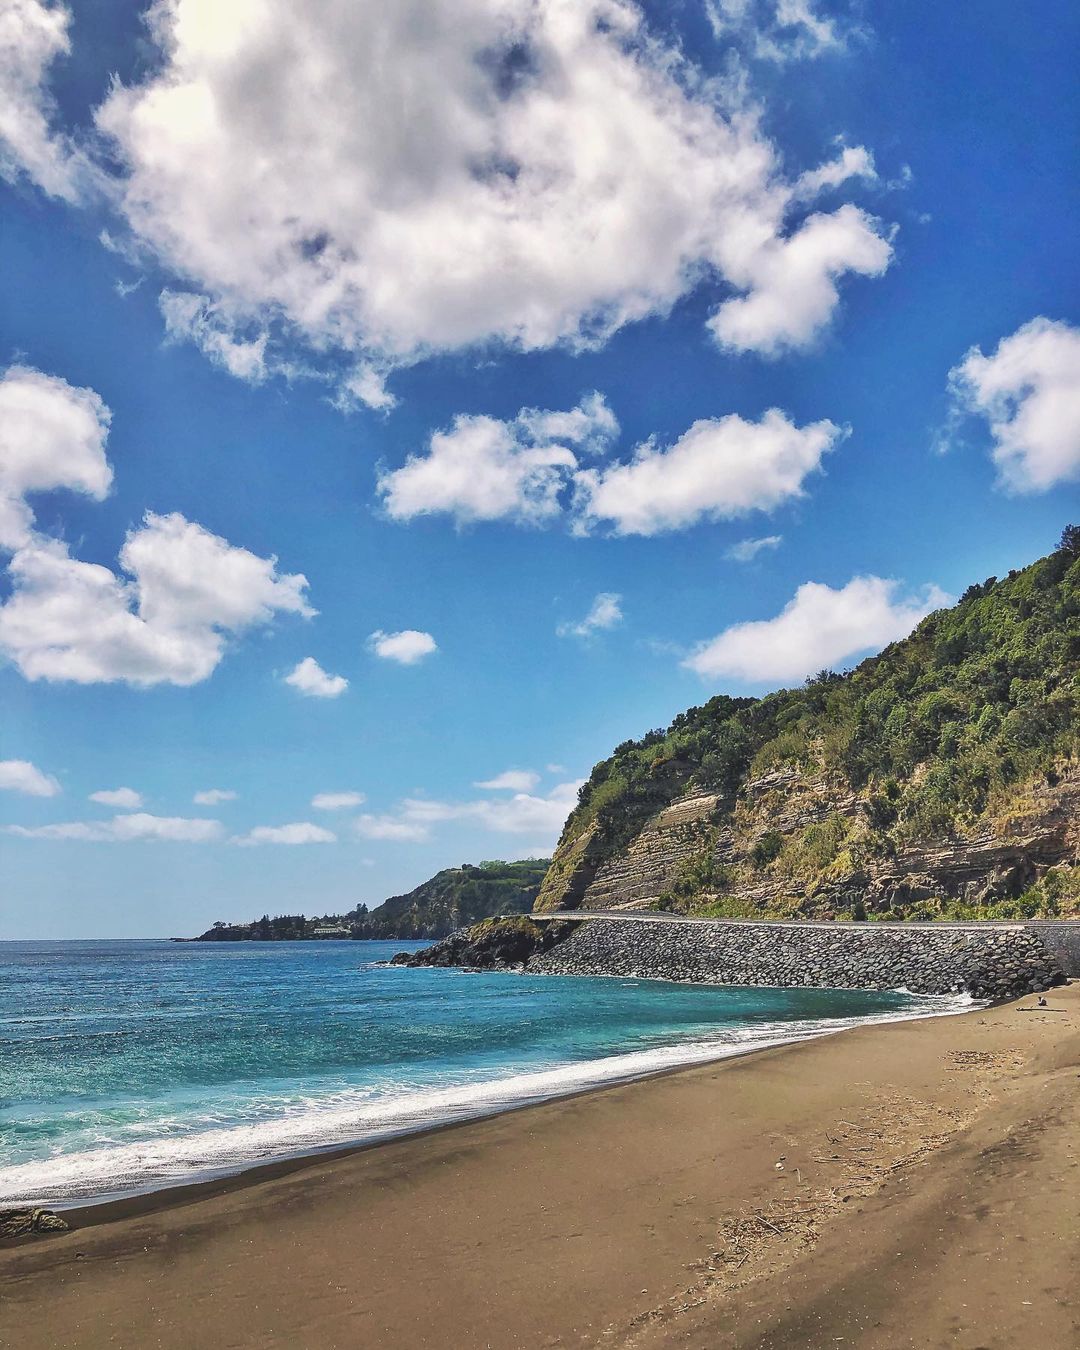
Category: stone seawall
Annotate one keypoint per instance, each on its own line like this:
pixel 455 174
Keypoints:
pixel 985 962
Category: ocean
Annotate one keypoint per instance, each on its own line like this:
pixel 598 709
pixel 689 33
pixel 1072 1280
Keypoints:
pixel 128 1066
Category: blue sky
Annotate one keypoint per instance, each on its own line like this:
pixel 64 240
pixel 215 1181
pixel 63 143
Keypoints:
pixel 248 281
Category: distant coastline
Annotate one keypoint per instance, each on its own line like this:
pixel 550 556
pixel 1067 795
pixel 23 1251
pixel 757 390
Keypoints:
pixel 451 899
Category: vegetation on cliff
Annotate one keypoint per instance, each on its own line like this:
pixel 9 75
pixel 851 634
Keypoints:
pixel 965 726
pixel 452 898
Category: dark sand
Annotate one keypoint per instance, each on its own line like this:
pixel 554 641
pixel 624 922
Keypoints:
pixel 893 1186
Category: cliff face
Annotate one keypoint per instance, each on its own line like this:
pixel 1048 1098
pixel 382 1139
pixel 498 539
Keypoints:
pixel 940 779
pixel 696 833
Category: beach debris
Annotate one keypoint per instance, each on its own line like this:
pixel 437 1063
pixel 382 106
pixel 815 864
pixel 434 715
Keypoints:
pixel 15 1223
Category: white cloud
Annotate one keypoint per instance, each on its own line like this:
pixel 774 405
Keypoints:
pixel 513 780
pixel 791 282
pixel 406 648
pixel 299 832
pixel 189 592
pixel 125 798
pixel 199 320
pixel 522 813
pixel 853 161
pixel 487 469
pixel 718 469
pixel 214 797
pixel 337 801
pixel 19 775
pixel 127 829
pixel 1029 392
pixel 385 181
pixel 389 827
pixel 52 435
pixel 606 612
pixel 310 679
pixel 746 550
pixel 818 629
pixel 364 384
pixel 32 36
pixel 777 30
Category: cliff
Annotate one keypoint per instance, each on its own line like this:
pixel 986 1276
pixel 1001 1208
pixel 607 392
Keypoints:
pixel 452 898
pixel 940 779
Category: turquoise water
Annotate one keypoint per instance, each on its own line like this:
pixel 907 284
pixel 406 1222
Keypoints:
pixel 126 1066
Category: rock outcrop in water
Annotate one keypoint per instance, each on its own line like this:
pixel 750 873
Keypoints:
pixel 494 944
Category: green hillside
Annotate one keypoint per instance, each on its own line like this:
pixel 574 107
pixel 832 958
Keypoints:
pixel 453 898
pixel 944 735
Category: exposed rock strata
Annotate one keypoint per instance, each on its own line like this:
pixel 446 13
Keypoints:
pixel 978 869
pixel 653 859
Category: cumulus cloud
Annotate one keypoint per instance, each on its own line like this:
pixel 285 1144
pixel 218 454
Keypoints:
pixel 818 629
pixel 299 832
pixel 19 775
pixel 52 435
pixel 746 550
pixel 336 801
pixel 188 592
pixel 380 182
pixel 790 283
pixel 606 612
pixel 127 830
pixel 406 648
pixel 483 468
pixel 512 780
pixel 310 679
pixel 214 797
pixel 185 593
pixel 33 35
pixel 1029 392
pixel 124 798
pixel 521 813
pixel 718 469
pixel 390 827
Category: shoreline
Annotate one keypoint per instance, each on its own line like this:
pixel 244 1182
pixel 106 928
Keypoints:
pixel 85 1212
pixel 712 1204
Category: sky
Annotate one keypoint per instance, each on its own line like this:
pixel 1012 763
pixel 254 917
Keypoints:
pixel 400 406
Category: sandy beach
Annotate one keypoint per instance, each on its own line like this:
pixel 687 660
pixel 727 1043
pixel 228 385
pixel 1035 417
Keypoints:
pixel 912 1184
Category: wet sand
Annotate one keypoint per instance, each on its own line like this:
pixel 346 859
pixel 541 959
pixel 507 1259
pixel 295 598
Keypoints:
pixel 912 1184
